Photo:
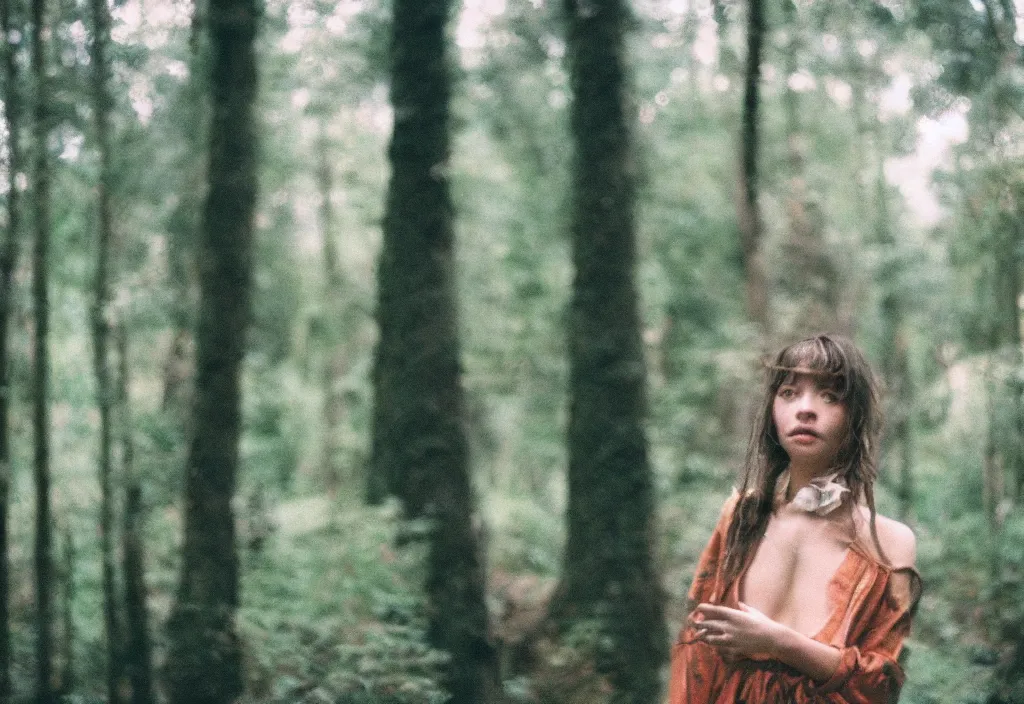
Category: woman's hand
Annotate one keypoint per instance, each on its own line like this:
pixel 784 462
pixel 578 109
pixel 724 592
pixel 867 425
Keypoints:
pixel 736 633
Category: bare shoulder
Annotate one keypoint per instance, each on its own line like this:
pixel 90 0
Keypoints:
pixel 897 540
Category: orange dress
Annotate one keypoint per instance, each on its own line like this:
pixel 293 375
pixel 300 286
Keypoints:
pixel 870 608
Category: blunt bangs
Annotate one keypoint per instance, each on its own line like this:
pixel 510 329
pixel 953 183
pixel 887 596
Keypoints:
pixel 820 357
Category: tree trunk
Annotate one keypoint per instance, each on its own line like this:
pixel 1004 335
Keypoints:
pixel 333 301
pixel 720 14
pixel 420 445
pixel 204 656
pixel 749 216
pixel 812 278
pixel 905 431
pixel 43 555
pixel 9 251
pixel 1015 225
pixel 608 568
pixel 898 444
pixel 183 224
pixel 68 674
pixel 1008 244
pixel 138 647
pixel 101 337
pixel 992 476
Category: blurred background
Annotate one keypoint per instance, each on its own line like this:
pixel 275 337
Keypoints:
pixel 889 207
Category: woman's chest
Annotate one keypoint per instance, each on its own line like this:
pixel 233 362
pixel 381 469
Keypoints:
pixel 789 577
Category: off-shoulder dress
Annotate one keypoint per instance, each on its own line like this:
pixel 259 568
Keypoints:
pixel 870 609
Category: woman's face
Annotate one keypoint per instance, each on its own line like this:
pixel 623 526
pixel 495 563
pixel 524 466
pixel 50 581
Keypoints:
pixel 810 420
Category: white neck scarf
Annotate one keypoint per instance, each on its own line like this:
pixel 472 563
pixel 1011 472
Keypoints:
pixel 822 496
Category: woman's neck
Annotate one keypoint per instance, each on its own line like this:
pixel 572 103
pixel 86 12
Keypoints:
pixel 800 475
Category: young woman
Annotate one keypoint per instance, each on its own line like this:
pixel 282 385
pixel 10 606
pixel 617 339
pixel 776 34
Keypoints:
pixel 803 593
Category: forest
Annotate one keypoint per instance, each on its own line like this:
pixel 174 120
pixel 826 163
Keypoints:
pixel 370 352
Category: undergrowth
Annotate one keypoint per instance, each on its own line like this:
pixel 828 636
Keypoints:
pixel 336 616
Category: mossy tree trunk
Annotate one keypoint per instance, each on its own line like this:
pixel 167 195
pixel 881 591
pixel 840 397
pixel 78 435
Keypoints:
pixel 43 550
pixel 812 279
pixel 9 251
pixel 608 568
pixel 420 448
pixel 332 411
pixel 204 658
pixel 101 340
pixel 68 630
pixel 751 221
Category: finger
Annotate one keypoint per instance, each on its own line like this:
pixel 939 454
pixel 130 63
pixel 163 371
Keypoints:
pixel 715 611
pixel 718 639
pixel 712 626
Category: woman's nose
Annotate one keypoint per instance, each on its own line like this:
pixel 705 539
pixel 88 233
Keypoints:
pixel 805 407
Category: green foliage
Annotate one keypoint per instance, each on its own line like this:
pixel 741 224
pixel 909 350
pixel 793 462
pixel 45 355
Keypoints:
pixel 936 678
pixel 568 674
pixel 302 648
pixel 527 535
pixel 964 38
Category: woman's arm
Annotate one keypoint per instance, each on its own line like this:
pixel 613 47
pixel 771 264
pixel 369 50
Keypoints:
pixel 746 631
pixel 862 674
pixel 805 654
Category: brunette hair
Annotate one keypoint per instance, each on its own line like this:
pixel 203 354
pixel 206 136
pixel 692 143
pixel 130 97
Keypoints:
pixel 839 365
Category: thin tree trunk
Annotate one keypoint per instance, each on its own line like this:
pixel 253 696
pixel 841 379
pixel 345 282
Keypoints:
pixel 898 446
pixel 992 474
pixel 905 430
pixel 608 571
pixel 812 279
pixel 9 251
pixel 1015 224
pixel 333 406
pixel 43 557
pixel 138 661
pixel 750 220
pixel 1007 240
pixel 420 444
pixel 204 655
pixel 791 101
pixel 1009 292
pixel 863 158
pixel 726 58
pixel 68 675
pixel 101 341
pixel 896 369
pixel 183 225
pixel 1006 415
pixel 198 28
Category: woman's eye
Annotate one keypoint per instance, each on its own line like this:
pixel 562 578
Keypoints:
pixel 830 397
pixel 786 393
